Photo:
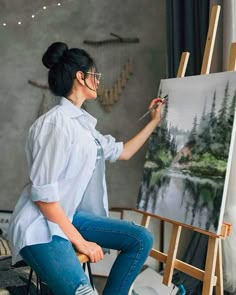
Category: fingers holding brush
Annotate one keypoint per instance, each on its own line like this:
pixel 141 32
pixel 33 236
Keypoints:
pixel 154 107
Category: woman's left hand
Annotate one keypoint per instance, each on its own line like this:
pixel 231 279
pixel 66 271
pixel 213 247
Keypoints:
pixel 156 113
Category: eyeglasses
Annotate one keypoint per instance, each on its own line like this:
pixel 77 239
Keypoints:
pixel 96 75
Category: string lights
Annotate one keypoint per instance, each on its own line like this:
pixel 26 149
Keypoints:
pixel 34 15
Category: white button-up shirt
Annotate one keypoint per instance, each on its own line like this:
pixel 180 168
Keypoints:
pixel 61 154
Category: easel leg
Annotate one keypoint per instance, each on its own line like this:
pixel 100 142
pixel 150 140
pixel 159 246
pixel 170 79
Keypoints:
pixel 208 282
pixel 145 220
pixel 219 271
pixel 170 262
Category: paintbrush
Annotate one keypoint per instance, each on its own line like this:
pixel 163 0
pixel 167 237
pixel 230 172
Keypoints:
pixel 163 99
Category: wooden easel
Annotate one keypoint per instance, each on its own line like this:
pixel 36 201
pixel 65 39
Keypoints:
pixel 213 274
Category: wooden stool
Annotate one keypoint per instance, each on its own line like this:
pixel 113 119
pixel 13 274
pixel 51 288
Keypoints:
pixel 83 259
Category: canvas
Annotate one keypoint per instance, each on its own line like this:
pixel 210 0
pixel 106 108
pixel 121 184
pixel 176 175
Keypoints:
pixel 187 164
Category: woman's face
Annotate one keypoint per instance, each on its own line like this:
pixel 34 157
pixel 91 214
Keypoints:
pixel 92 79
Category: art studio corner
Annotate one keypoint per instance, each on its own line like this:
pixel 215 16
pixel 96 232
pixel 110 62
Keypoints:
pixel 118 153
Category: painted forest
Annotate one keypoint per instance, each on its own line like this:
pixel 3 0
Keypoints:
pixel 207 143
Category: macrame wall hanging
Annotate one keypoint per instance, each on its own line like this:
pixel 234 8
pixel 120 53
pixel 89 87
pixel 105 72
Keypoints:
pixel 108 96
pixel 114 80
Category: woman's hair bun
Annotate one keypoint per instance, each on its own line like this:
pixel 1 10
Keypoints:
pixel 54 53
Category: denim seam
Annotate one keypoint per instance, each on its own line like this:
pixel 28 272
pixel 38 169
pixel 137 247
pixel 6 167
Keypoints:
pixel 131 268
pixel 110 231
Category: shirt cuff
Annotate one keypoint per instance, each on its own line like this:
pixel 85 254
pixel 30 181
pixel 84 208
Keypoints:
pixel 118 151
pixel 45 193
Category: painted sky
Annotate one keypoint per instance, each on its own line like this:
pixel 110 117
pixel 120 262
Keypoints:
pixel 188 95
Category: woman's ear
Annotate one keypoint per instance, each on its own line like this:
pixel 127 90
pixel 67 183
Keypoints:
pixel 80 77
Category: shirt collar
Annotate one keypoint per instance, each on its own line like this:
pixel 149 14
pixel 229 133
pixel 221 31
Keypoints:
pixel 74 112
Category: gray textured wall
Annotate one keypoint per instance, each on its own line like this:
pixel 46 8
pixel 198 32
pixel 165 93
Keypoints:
pixel 21 48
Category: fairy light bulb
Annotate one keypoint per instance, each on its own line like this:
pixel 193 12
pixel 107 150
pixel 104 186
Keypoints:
pixel 4 24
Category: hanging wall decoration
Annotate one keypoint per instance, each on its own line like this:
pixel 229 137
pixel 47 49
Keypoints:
pixel 111 87
pixel 109 96
pixel 117 39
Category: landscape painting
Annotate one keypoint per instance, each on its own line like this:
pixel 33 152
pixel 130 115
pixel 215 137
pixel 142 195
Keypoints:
pixel 187 163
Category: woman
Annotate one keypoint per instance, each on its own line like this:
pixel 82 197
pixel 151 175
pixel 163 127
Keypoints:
pixel 65 205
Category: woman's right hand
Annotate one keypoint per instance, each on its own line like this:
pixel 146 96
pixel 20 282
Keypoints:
pixel 156 113
pixel 54 212
pixel 92 250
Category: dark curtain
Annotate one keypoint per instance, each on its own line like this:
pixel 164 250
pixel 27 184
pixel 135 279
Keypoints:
pixel 187 27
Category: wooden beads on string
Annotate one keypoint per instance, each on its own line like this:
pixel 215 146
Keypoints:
pixel 108 97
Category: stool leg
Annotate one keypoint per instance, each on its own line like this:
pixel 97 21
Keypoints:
pixel 90 274
pixel 41 286
pixel 29 281
pixel 84 264
pixel 37 282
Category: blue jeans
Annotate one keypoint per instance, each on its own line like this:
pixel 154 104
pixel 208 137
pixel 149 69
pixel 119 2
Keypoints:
pixel 57 264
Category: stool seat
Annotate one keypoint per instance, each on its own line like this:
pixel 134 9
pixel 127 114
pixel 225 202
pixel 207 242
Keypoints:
pixel 82 257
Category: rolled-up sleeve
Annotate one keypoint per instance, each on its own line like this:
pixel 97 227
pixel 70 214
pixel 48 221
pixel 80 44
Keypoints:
pixel 45 193
pixel 111 148
pixel 48 152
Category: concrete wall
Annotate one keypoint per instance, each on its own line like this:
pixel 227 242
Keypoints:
pixel 21 48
